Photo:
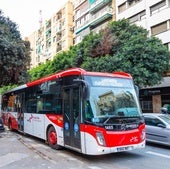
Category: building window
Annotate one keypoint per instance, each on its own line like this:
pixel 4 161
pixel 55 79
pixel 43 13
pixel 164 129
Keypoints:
pixel 146 105
pixel 162 27
pixel 54 39
pixel 64 44
pixel 122 7
pixel 157 7
pixel 137 17
pixel 77 15
pixel 63 32
pixel 78 24
pixel 132 2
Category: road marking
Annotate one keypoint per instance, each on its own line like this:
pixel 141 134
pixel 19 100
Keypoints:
pixel 94 167
pixel 158 154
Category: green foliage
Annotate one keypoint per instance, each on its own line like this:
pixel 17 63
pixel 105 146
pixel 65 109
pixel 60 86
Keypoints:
pixel 146 59
pixel 40 71
pixel 119 47
pixel 95 45
pixel 14 53
pixel 85 48
pixel 61 61
pixel 4 89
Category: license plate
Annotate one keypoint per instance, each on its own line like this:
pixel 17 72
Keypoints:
pixel 122 149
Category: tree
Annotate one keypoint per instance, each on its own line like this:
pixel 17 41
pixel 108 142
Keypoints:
pixel 132 51
pixel 119 47
pixel 14 54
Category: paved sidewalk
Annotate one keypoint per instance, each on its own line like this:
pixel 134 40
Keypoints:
pixel 15 155
pixel 18 151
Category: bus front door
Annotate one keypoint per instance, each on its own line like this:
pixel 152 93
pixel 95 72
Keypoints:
pixel 72 118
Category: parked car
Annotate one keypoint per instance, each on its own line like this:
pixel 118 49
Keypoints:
pixel 157 128
pixel 2 128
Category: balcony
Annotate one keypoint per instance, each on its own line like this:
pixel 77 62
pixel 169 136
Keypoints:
pixel 98 5
pixel 81 28
pixel 48 24
pixel 78 3
pixel 99 17
pixel 103 15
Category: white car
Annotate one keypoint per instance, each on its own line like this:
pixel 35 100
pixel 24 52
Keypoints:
pixel 157 128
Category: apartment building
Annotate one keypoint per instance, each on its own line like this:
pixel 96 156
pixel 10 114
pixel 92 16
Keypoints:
pixel 68 27
pixel 150 14
pixel 91 16
pixel 77 18
pixel 53 36
pixel 154 16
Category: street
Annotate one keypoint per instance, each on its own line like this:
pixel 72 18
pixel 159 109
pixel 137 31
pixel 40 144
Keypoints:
pixel 18 151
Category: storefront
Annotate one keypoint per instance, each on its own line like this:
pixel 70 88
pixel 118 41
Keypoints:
pixel 155 97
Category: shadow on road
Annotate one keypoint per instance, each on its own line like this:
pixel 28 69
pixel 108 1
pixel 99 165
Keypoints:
pixel 158 145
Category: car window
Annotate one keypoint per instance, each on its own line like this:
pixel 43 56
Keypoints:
pixel 152 121
pixel 166 118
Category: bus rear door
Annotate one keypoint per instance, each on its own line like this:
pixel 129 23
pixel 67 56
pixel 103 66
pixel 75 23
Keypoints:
pixel 72 117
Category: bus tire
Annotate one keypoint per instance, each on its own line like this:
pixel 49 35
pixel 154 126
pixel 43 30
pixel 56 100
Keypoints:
pixel 52 138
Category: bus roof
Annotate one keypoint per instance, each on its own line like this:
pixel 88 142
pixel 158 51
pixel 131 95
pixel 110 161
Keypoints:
pixel 16 88
pixel 77 71
pixel 71 71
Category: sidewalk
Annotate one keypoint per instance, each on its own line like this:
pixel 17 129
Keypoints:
pixel 18 151
pixel 15 155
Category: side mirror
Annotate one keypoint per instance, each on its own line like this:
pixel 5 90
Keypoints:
pixel 86 91
pixel 137 90
pixel 161 125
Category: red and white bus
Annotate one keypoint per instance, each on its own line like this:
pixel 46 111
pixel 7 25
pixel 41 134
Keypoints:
pixel 93 113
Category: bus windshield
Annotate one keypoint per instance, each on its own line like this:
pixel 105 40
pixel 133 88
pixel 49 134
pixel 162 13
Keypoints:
pixel 112 97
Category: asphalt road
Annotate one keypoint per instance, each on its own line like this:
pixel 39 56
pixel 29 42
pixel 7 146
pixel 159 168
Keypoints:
pixel 24 152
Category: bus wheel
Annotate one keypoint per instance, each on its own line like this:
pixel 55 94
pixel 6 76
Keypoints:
pixel 52 138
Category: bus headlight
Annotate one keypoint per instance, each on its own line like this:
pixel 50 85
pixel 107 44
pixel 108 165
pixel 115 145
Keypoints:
pixel 100 138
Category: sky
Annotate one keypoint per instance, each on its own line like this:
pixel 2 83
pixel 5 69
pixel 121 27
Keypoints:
pixel 26 13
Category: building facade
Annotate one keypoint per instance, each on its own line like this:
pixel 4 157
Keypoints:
pixel 77 18
pixel 53 36
pixel 152 15
pixel 68 26
pixel 155 97
pixel 91 16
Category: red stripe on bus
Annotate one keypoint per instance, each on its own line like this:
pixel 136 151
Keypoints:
pixel 56 119
pixel 115 138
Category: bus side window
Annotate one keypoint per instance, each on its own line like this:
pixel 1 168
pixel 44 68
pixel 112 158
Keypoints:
pixel 31 106
pixel 39 105
pixel 48 106
pixel 58 106
pixel 11 102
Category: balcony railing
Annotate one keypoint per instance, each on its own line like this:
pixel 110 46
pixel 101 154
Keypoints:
pixel 98 4
pixel 100 16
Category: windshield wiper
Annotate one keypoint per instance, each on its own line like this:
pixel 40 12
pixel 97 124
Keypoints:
pixel 124 118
